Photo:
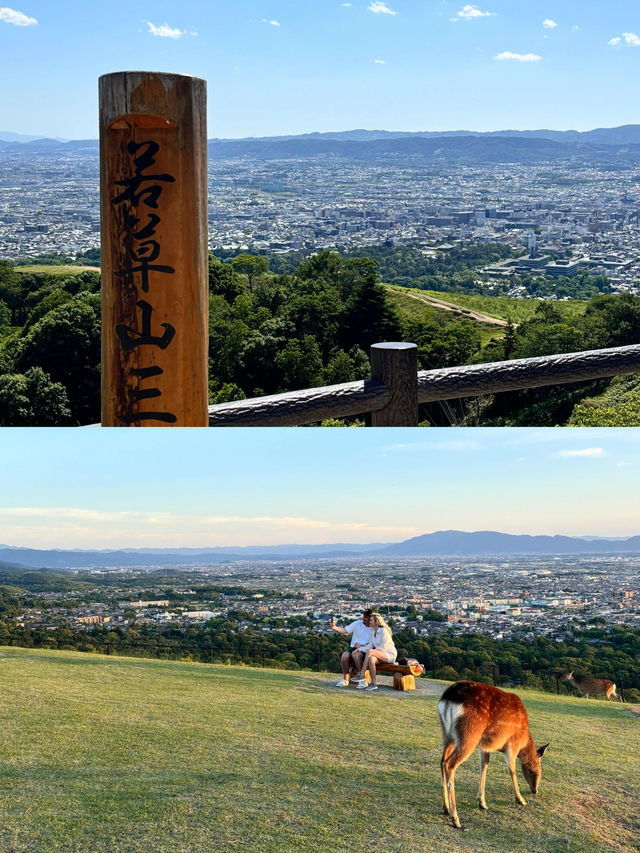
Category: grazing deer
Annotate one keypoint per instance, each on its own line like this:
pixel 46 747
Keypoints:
pixel 478 716
pixel 593 686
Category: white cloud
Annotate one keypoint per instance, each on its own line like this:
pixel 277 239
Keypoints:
pixel 295 522
pixel 548 24
pixel 585 453
pixel 470 11
pixel 165 31
pixel 273 23
pixel 380 61
pixel 380 9
pixel 575 28
pixel 629 38
pixel 346 4
pixel 18 19
pixel 61 513
pixel 80 527
pixel 519 57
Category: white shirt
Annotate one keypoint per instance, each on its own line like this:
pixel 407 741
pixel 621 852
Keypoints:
pixel 360 633
pixel 381 639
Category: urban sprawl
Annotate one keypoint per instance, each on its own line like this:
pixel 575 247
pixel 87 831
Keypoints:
pixel 499 597
pixel 561 218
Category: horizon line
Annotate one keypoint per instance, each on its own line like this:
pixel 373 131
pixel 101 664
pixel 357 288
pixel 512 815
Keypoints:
pixel 125 548
pixel 36 138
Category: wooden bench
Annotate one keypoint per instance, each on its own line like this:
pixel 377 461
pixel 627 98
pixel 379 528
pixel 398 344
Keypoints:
pixel 404 675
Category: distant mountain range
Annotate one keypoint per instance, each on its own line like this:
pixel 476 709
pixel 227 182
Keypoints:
pixel 618 145
pixel 444 543
pixel 9 136
pixel 61 559
pixel 486 542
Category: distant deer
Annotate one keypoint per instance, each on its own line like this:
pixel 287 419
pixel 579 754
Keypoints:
pixel 478 716
pixel 593 686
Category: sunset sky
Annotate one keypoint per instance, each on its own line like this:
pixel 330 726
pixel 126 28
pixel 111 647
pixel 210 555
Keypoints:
pixel 101 488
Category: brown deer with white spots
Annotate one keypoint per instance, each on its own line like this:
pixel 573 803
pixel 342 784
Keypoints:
pixel 593 686
pixel 478 716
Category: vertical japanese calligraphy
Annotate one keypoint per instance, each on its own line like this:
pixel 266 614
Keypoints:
pixel 143 190
pixel 154 250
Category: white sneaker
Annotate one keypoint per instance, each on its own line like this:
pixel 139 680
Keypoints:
pixel 371 687
pixel 362 685
pixel 343 683
pixel 357 679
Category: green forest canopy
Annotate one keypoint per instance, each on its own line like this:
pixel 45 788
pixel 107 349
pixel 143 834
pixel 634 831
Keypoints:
pixel 272 332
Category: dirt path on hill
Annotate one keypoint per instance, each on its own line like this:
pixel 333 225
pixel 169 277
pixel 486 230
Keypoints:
pixel 459 309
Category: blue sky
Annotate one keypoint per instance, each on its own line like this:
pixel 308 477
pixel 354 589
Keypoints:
pixel 154 487
pixel 292 66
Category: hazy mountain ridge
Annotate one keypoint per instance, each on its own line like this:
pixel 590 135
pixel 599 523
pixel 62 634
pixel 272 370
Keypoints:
pixel 439 544
pixel 485 542
pixel 125 558
pixel 528 146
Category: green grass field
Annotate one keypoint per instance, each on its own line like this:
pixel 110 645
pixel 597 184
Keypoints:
pixel 505 307
pixel 406 305
pixel 501 307
pixel 103 755
pixel 56 269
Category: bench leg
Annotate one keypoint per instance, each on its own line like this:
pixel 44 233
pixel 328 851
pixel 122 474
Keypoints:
pixel 403 682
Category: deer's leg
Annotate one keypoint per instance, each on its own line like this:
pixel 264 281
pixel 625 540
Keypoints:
pixel 484 763
pixel 510 758
pixel 450 764
pixel 445 755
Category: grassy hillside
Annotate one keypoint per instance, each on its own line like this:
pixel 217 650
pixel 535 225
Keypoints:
pixel 505 307
pixel 500 307
pixel 411 302
pixel 118 754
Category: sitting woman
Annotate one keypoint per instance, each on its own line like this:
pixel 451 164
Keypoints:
pixel 380 648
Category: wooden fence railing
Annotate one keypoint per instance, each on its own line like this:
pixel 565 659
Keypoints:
pixel 396 387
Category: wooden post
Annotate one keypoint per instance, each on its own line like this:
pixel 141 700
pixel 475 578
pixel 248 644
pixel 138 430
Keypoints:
pixel 153 202
pixel 396 364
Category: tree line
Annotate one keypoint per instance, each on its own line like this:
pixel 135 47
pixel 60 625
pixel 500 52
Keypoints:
pixel 530 661
pixel 270 333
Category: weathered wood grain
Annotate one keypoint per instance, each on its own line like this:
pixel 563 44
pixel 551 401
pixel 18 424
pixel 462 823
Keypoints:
pixel 296 408
pixel 495 377
pixel 396 365
pixel 153 175
pixel 371 395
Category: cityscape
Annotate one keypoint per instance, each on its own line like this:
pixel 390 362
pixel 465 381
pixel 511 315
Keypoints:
pixel 500 597
pixel 559 217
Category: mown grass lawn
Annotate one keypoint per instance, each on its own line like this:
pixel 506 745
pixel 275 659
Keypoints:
pixel 118 754
pixel 56 269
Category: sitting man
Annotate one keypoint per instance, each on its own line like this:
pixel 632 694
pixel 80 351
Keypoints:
pixel 360 633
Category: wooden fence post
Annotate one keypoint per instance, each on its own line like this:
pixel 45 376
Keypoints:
pixel 396 364
pixel 153 202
